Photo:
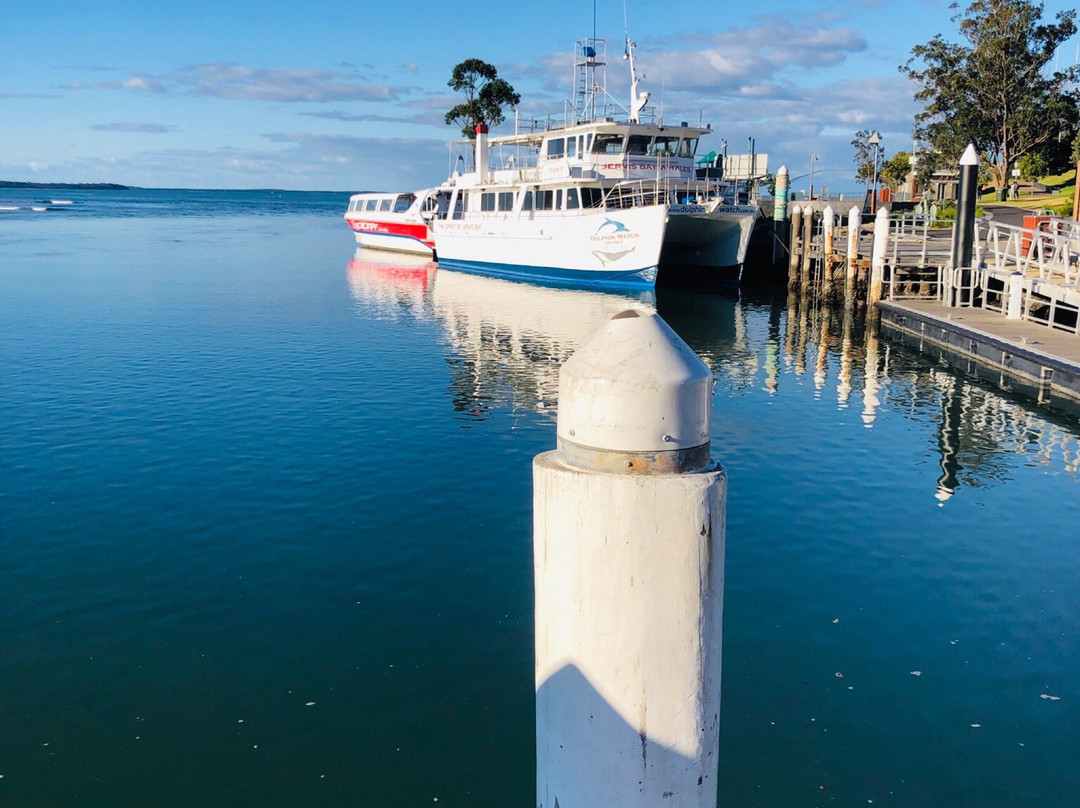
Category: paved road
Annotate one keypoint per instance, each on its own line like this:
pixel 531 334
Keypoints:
pixel 1008 215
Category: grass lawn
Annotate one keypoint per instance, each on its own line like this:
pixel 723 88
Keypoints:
pixel 1029 200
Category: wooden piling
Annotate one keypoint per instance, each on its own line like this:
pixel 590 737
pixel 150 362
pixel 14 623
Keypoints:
pixel 795 230
pixel 807 240
pixel 828 224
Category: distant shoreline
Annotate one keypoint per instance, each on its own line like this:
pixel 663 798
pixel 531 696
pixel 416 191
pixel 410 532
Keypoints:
pixel 112 186
pixel 66 186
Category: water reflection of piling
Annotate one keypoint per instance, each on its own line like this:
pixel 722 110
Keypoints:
pixel 822 364
pixel 979 427
pixel 772 349
pixel 949 442
pixel 843 387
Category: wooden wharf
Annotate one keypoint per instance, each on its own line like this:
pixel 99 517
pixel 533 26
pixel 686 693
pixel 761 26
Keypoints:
pixel 1014 314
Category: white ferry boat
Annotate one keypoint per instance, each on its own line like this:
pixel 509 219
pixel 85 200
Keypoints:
pixel 632 155
pixel 557 229
pixel 385 221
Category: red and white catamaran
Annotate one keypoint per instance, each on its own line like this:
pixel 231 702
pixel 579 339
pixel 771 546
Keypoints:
pixel 391 221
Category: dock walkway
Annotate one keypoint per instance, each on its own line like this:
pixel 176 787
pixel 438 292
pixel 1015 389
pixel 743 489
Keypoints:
pixel 1016 354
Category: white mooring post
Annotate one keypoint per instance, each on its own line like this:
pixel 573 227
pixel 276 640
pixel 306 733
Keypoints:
pixel 629 573
pixel 828 223
pixel 853 237
pixel 878 253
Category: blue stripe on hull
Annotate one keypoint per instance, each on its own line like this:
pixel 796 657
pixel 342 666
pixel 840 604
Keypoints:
pixel 626 279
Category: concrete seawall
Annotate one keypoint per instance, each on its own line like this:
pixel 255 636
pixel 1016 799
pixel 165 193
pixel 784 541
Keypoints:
pixel 1016 355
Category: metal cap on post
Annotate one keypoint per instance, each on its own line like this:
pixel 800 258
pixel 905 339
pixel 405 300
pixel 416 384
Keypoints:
pixel 635 398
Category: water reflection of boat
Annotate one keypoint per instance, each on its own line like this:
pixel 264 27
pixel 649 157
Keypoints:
pixel 392 283
pixel 509 339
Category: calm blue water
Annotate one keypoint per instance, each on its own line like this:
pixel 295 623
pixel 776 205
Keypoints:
pixel 265 529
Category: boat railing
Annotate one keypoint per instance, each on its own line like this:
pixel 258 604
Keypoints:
pixel 636 194
pixel 608 113
pixel 667 191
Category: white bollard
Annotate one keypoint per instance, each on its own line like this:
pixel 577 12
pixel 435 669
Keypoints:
pixel 854 229
pixel 1015 289
pixel 629 566
pixel 878 253
pixel 828 225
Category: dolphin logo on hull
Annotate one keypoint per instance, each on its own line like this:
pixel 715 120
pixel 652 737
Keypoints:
pixel 611 257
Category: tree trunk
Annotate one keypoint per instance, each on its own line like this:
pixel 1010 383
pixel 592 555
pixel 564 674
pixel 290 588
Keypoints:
pixel 1076 194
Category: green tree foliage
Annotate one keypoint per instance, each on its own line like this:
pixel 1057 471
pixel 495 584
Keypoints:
pixel 997 90
pixel 486 95
pixel 896 169
pixel 1076 152
pixel 864 155
pixel 1032 167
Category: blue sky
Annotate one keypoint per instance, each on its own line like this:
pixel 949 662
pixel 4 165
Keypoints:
pixel 349 96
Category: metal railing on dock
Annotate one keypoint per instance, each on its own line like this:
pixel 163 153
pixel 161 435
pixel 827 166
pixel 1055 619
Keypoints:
pixel 1020 272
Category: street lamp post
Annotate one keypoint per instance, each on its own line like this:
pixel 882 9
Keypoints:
pixel 875 141
pixel 813 159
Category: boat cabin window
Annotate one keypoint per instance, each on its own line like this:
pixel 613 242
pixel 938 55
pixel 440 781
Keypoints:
pixel 384 204
pixel 558 199
pixel 403 202
pixel 665 145
pixel 372 204
pixel 545 200
pixel 556 147
pixel 607 144
pixel 461 204
pixel 688 147
pixel 638 144
pixel 487 201
pixel 527 202
pixel 506 200
pixel 591 197
pixel 571 146
pixel 572 199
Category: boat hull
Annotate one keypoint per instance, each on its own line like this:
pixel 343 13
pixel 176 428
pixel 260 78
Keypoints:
pixel 704 239
pixel 613 249
pixel 394 236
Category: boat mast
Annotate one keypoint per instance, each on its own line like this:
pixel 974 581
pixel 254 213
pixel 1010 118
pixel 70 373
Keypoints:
pixel 637 101
pixel 590 81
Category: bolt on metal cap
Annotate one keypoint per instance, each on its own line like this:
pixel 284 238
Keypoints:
pixel 635 387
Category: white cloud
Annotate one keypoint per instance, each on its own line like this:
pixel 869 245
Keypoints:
pixel 739 61
pixel 138 84
pixel 144 128
pixel 239 82
pixel 227 80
